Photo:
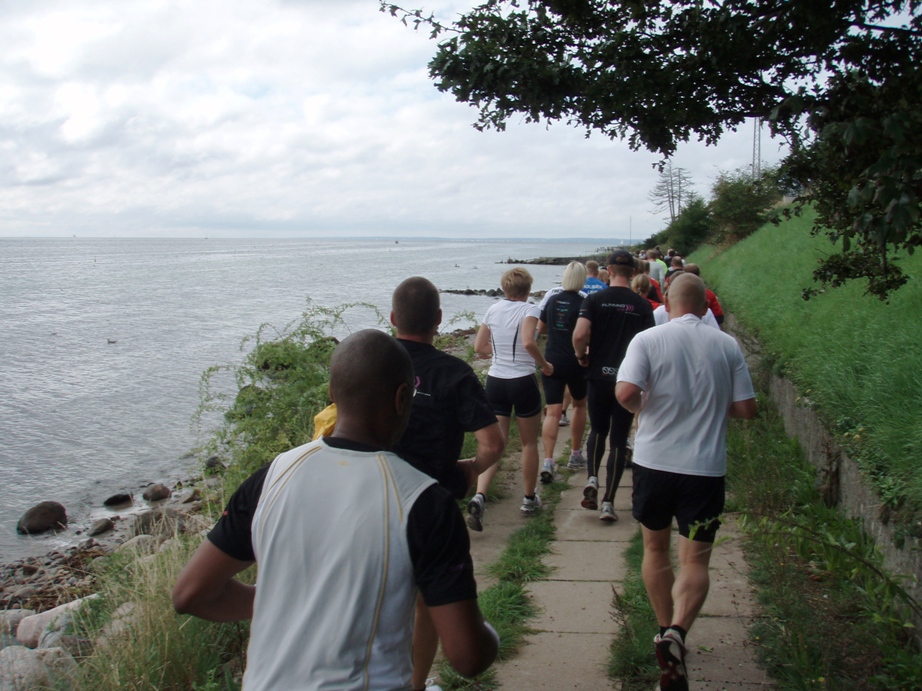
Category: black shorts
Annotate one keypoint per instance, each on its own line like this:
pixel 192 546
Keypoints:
pixel 695 501
pixel 563 377
pixel 521 393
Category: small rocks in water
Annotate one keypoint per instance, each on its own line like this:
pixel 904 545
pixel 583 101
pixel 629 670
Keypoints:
pixel 157 492
pixel 214 464
pixel 45 516
pixel 118 499
pixel 103 525
pixel 194 495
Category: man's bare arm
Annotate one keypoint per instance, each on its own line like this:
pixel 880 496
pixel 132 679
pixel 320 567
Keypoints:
pixel 470 644
pixel 743 410
pixel 207 588
pixel 630 396
pixel 581 340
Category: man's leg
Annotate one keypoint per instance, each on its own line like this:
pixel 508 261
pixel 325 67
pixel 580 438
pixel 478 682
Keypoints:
pixel 692 582
pixel 578 424
pixel 425 644
pixel 658 577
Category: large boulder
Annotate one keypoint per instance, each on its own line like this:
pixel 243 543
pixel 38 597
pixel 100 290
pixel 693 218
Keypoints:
pixel 23 669
pixel 44 516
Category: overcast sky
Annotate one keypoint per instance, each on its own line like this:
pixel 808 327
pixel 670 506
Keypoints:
pixel 264 118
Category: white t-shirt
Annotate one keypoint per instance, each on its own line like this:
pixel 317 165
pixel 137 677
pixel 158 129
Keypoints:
pixel 690 375
pixel 504 319
pixel 657 271
pixel 661 316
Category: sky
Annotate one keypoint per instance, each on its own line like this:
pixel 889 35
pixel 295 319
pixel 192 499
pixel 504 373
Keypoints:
pixel 288 118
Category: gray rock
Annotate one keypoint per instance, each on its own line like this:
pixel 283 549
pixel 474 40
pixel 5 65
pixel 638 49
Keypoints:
pixel 6 640
pixel 140 544
pixel 118 499
pixel 103 525
pixel 31 628
pixel 51 635
pixel 10 618
pixel 44 516
pixel 194 495
pixel 22 669
pixel 161 522
pixel 157 492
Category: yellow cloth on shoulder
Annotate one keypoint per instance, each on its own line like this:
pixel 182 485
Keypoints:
pixel 325 422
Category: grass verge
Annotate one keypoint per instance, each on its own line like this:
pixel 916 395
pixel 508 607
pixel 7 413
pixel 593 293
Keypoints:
pixel 506 604
pixel 630 659
pixel 833 618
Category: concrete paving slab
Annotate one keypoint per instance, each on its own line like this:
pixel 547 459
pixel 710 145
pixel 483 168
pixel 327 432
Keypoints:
pixel 559 661
pixel 582 524
pixel 722 656
pixel 586 561
pixel 573 606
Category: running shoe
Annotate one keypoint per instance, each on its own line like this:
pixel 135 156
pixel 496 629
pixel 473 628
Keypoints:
pixel 608 513
pixel 530 506
pixel 547 471
pixel 475 509
pixel 591 494
pixel 670 654
pixel 563 420
pixel 577 461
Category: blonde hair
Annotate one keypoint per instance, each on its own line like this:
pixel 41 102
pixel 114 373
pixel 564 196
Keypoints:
pixel 516 283
pixel 641 285
pixel 603 276
pixel 574 276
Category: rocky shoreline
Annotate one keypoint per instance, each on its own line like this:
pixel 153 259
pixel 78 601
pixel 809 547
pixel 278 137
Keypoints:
pixel 42 581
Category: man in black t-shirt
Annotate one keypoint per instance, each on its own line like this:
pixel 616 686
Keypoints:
pixel 344 532
pixel 608 320
pixel 449 401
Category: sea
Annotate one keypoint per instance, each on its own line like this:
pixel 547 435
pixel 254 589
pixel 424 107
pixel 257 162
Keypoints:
pixel 103 342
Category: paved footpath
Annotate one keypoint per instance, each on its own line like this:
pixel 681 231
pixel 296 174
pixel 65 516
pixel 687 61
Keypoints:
pixel 575 627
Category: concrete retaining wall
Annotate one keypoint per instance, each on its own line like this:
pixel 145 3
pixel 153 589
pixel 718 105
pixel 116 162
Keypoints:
pixel 841 481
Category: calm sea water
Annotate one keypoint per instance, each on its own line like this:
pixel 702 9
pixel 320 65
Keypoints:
pixel 82 417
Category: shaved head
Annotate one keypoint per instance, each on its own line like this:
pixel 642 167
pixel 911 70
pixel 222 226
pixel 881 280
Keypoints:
pixel 365 371
pixel 686 296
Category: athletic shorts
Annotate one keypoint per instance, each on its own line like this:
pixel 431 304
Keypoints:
pixel 521 394
pixel 695 501
pixel 563 377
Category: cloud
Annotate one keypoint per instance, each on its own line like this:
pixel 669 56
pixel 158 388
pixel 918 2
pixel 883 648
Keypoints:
pixel 282 118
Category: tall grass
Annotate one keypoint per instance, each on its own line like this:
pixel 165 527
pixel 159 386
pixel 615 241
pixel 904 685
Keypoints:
pixel 143 645
pixel 832 618
pixel 857 360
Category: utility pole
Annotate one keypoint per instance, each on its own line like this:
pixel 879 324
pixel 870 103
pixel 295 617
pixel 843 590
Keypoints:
pixel 757 148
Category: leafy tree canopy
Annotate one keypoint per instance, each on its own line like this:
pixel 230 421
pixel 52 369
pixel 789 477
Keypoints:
pixel 839 80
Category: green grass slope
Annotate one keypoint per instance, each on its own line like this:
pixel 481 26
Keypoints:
pixel 858 360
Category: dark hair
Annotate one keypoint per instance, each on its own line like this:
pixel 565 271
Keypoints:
pixel 416 307
pixel 366 369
